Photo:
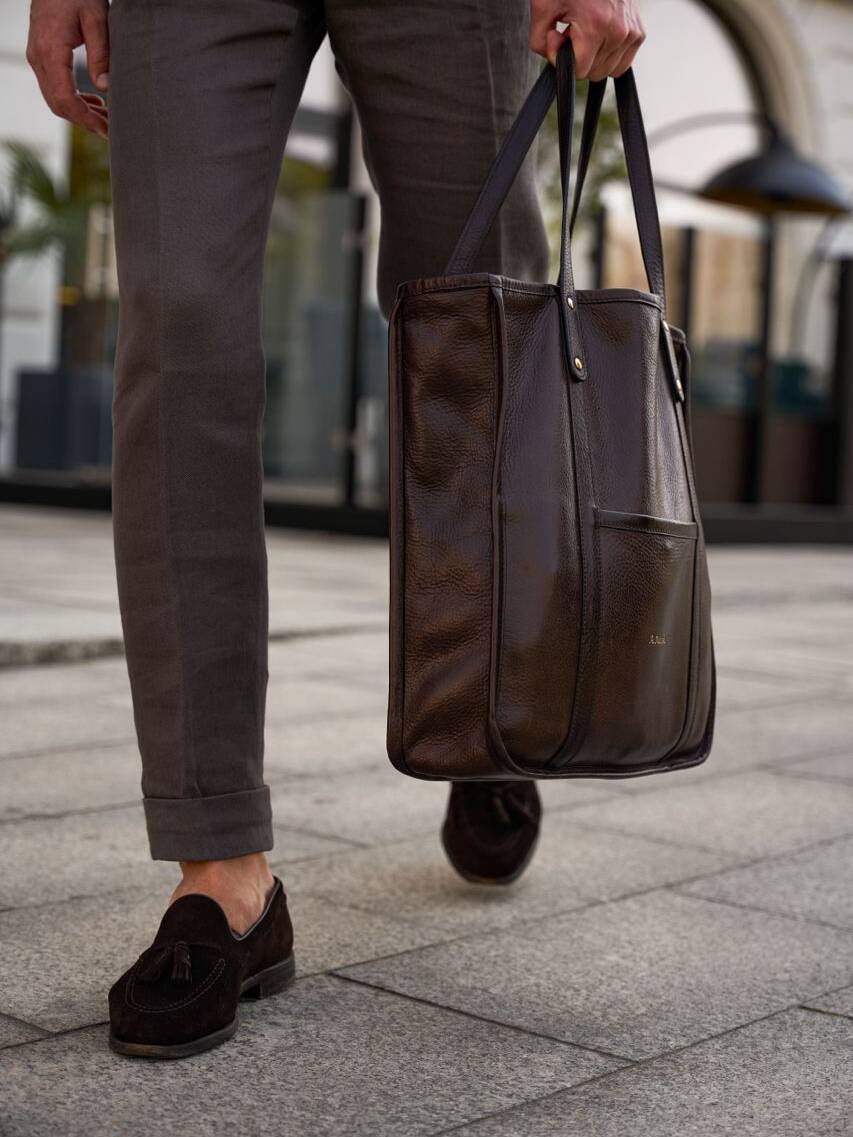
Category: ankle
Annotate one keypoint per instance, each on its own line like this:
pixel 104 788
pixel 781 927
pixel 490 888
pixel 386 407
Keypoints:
pixel 250 871
pixel 240 885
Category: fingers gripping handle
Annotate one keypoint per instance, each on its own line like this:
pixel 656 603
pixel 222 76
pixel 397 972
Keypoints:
pixel 560 82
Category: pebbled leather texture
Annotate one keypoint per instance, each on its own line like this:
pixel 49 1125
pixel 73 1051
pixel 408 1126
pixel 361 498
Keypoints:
pixel 550 601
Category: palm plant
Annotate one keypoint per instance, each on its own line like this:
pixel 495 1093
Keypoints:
pixel 38 212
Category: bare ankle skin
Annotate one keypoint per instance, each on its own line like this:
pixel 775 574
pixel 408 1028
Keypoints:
pixel 239 885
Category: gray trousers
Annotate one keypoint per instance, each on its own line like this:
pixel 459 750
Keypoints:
pixel 202 94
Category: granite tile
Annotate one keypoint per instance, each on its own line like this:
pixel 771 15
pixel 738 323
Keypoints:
pixel 738 688
pixel 832 767
pixel 368 807
pixel 324 1058
pixel 66 724
pixel 301 700
pixel 370 802
pixel 812 885
pixel 351 654
pixel 783 662
pixel 763 737
pixel 13 1031
pixel 62 681
pixel 52 859
pixel 412 880
pixel 750 815
pixel 788 1076
pixel 835 1002
pixel 60 782
pixel 326 747
pixel 635 977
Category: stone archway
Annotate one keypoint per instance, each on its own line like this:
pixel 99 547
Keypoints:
pixel 763 32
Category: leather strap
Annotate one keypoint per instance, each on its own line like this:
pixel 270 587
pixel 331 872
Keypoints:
pixel 575 355
pixel 592 113
pixel 503 172
pixel 630 118
pixel 561 82
pixel 565 129
pixel 641 180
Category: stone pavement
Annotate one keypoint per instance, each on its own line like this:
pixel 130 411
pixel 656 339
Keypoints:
pixel 678 960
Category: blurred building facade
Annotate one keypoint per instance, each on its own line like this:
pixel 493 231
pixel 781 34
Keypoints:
pixel 772 383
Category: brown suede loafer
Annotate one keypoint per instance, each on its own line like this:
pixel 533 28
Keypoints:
pixel 491 829
pixel 181 995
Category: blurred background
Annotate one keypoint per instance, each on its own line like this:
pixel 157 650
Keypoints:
pixel 747 103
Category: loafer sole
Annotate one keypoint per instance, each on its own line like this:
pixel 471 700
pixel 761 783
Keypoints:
pixel 267 982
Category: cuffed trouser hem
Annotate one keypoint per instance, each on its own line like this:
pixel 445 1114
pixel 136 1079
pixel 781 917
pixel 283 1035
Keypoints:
pixel 209 828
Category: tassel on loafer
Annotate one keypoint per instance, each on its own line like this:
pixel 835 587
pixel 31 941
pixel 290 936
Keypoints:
pixel 180 997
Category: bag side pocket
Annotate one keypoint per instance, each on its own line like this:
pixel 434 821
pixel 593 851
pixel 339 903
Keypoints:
pixel 645 569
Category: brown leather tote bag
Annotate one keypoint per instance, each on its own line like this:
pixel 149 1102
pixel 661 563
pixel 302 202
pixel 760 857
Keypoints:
pixel 550 602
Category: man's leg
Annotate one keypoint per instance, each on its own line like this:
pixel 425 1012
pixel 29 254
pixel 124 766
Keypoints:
pixel 202 95
pixel 437 86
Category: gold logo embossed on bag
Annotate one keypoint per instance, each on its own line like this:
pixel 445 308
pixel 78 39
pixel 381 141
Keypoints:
pixel 545 530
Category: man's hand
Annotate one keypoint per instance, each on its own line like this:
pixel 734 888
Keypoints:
pixel 605 34
pixel 56 28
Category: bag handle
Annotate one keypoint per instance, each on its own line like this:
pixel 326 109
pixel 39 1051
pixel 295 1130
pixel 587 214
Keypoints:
pixel 592 112
pixel 560 82
pixel 502 172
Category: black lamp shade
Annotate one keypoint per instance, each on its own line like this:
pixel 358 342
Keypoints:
pixel 778 180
